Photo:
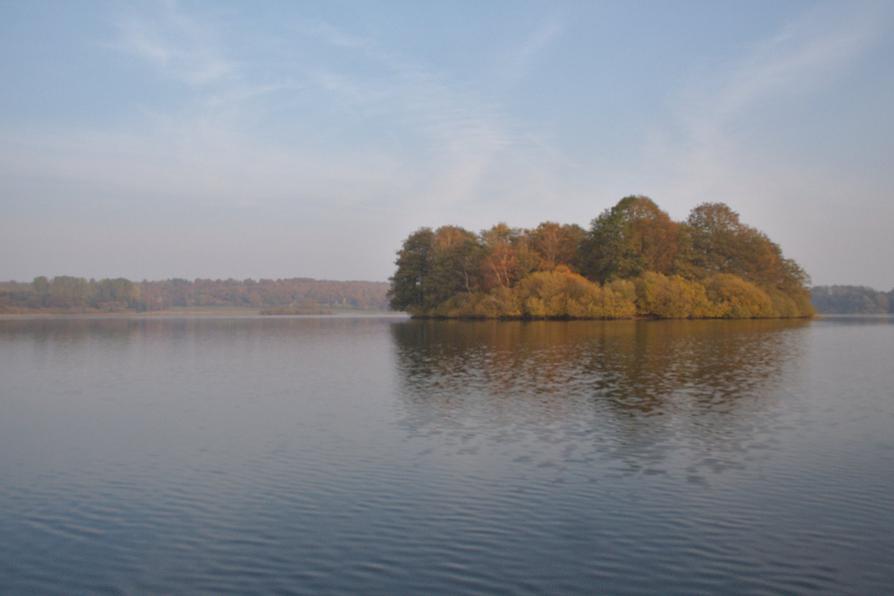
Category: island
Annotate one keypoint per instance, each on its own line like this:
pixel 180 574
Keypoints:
pixel 634 261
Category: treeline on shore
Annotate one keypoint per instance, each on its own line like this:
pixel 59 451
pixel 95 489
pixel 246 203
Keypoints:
pixel 634 261
pixel 852 300
pixel 77 294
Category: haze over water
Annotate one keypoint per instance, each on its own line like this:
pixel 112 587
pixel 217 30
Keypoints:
pixel 381 455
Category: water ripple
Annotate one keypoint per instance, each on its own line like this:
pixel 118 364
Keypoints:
pixel 373 456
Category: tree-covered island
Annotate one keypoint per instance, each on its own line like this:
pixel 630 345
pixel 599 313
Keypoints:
pixel 634 261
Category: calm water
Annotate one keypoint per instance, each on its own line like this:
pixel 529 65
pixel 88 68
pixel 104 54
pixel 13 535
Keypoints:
pixel 391 456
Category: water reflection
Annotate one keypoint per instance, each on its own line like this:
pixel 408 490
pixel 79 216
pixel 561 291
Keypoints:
pixel 277 455
pixel 639 391
pixel 85 329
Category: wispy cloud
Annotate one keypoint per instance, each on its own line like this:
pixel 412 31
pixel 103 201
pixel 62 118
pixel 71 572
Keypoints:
pixel 518 60
pixel 308 119
pixel 738 136
pixel 206 150
pixel 782 70
pixel 175 44
pixel 467 133
pixel 331 34
pixel 453 141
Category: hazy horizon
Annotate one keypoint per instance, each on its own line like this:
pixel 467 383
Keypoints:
pixel 224 140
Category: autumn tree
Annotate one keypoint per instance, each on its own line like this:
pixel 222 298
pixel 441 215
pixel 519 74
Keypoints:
pixel 632 237
pixel 69 292
pixel 499 264
pixel 637 261
pixel 721 243
pixel 455 263
pixel 120 292
pixel 557 244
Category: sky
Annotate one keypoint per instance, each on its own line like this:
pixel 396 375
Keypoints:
pixel 291 139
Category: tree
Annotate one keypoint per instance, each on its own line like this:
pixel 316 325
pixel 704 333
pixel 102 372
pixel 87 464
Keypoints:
pixel 721 243
pixel 712 265
pixel 851 300
pixel 557 244
pixel 736 298
pixel 499 263
pixel 116 293
pixel 671 297
pixel 455 263
pixel 409 284
pixel 69 292
pixel 41 288
pixel 632 237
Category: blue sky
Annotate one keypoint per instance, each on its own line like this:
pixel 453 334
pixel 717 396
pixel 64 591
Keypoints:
pixel 237 139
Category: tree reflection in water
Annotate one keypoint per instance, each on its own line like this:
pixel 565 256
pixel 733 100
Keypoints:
pixel 646 396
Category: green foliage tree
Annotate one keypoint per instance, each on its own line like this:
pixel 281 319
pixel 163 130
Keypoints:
pixel 632 237
pixel 721 243
pixel 409 285
pixel 455 263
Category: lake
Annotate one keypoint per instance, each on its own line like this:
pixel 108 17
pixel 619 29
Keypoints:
pixel 389 456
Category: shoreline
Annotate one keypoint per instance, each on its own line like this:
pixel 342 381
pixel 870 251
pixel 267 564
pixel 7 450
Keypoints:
pixel 634 318
pixel 191 312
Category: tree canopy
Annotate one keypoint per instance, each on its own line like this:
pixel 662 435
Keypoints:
pixel 76 294
pixel 852 300
pixel 633 261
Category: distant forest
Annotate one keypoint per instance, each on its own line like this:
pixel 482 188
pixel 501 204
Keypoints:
pixel 634 261
pixel 852 300
pixel 76 294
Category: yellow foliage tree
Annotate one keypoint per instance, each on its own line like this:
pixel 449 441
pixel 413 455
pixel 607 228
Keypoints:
pixel 735 298
pixel 673 297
